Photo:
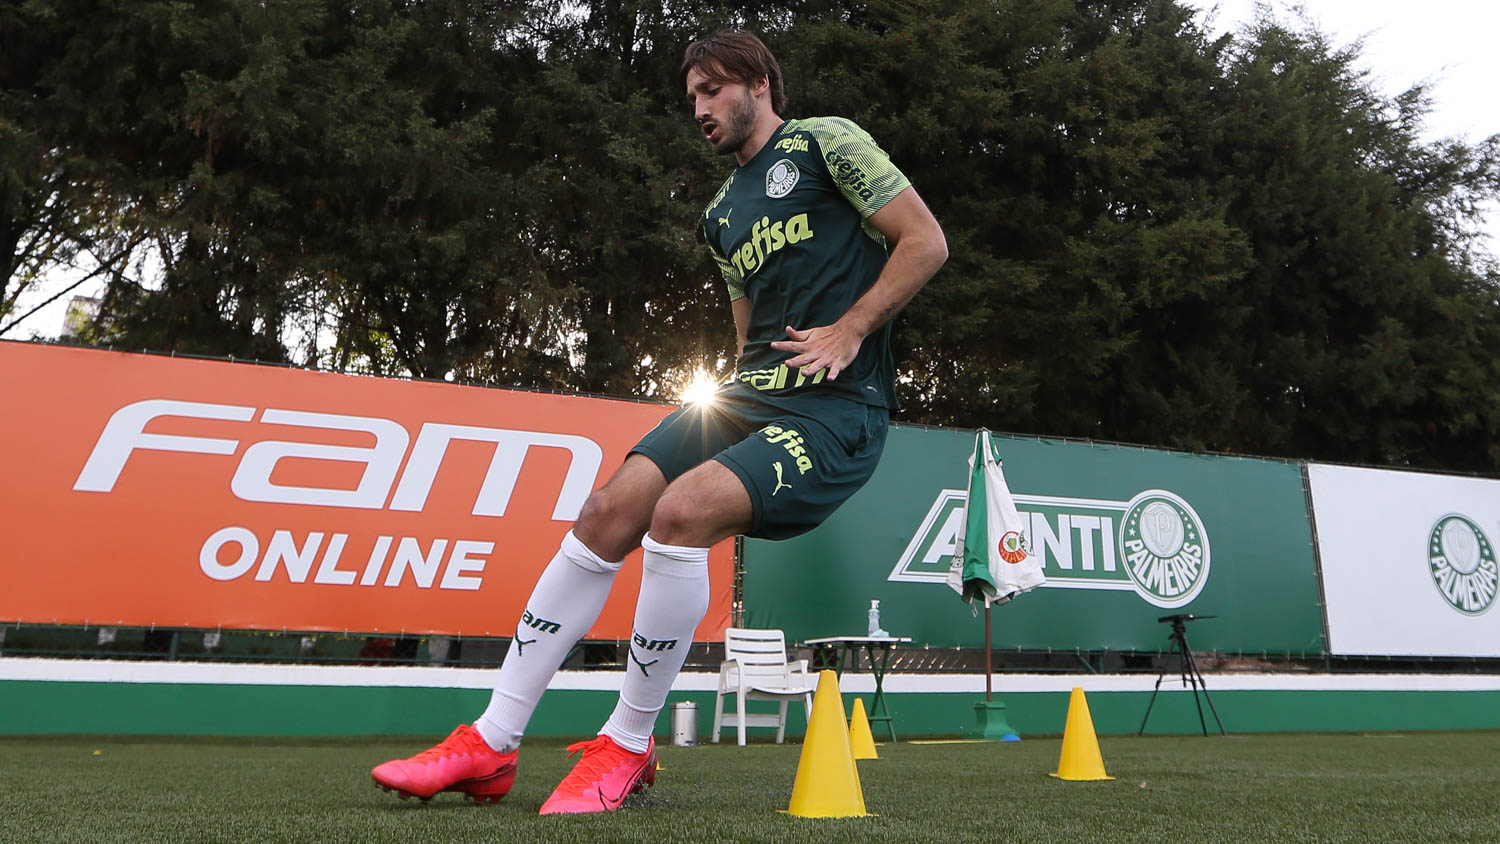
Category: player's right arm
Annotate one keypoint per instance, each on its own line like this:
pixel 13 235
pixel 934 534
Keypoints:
pixel 741 309
pixel 739 303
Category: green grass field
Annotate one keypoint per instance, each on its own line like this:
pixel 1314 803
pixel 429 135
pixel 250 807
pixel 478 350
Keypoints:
pixel 1379 787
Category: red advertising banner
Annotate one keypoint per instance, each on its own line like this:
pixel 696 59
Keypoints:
pixel 144 490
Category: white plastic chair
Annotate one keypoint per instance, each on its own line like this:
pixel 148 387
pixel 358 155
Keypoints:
pixel 755 667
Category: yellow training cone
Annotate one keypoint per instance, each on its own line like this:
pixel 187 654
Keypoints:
pixel 1080 760
pixel 860 739
pixel 827 781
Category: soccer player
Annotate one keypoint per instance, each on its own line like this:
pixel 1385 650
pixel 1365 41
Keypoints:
pixel 821 241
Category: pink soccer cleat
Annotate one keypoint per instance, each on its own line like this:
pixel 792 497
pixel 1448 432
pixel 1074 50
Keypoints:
pixel 605 775
pixel 461 762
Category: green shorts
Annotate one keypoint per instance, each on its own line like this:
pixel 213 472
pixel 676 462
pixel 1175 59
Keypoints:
pixel 799 457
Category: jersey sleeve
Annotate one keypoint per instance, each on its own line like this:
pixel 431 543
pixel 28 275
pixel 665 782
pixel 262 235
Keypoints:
pixel 861 169
pixel 732 277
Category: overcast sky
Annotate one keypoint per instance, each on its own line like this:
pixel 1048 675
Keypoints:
pixel 1450 44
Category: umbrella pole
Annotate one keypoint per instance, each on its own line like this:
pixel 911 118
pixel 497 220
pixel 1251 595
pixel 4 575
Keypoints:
pixel 989 693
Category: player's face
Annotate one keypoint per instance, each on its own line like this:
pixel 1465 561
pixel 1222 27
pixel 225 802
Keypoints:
pixel 725 111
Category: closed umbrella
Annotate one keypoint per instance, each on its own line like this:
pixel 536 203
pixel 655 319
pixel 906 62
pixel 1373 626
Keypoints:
pixel 992 561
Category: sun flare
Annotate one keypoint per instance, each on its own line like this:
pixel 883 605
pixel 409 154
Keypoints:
pixel 700 390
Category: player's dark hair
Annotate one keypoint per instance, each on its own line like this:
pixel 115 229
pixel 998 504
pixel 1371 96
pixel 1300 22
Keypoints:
pixel 734 56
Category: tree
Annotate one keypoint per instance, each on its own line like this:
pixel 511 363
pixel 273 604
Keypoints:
pixel 619 178
pixel 1231 244
pixel 56 212
pixel 1368 313
pixel 1062 145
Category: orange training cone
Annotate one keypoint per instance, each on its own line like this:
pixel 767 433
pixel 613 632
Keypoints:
pixel 1080 760
pixel 860 739
pixel 827 780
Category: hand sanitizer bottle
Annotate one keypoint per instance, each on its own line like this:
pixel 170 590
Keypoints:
pixel 875 618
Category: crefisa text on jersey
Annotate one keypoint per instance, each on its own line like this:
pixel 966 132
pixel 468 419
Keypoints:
pixel 767 237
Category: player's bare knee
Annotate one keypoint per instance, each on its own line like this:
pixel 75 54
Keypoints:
pixel 595 512
pixel 675 521
pixel 609 526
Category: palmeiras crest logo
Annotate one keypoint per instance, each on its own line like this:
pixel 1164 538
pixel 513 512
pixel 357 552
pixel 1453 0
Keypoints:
pixel 1463 564
pixel 781 178
pixel 1166 552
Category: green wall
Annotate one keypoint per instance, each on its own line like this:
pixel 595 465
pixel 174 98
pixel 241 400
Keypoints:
pixel 31 707
pixel 1260 581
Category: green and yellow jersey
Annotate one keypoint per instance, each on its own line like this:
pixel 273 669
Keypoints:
pixel 790 231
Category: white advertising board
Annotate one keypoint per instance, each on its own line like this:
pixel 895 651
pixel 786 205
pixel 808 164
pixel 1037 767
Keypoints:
pixel 1408 561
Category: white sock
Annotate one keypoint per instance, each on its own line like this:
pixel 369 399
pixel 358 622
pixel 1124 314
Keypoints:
pixel 674 598
pixel 564 604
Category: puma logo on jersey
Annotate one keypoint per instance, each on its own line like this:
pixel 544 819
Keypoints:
pixel 779 484
pixel 724 220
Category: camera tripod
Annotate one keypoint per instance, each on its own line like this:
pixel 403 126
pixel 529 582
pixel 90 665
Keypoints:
pixel 1188 670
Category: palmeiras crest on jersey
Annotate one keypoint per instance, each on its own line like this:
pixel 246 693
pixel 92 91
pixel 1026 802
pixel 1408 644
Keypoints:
pixel 781 178
pixel 1462 564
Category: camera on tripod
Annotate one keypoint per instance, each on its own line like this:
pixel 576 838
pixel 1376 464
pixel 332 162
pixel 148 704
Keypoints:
pixel 1181 618
pixel 1188 670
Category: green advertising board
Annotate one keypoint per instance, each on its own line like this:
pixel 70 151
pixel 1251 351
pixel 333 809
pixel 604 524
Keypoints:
pixel 1126 536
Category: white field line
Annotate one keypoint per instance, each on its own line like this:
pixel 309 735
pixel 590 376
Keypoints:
pixel 246 674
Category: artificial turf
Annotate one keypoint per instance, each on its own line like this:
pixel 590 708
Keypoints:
pixel 1378 787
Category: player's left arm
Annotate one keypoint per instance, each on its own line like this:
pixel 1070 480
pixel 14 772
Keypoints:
pixel 920 249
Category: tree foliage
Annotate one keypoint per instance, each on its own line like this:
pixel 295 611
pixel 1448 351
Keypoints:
pixel 1234 244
